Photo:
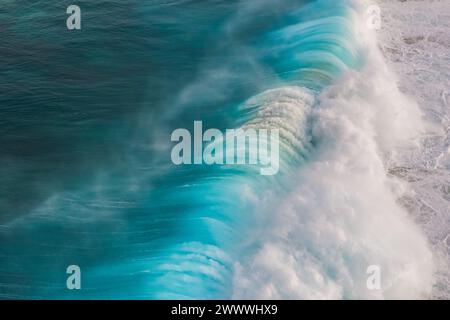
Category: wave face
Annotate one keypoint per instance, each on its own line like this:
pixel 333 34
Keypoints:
pixel 87 119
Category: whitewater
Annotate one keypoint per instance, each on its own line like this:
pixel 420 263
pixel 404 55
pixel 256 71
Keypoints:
pixel 364 165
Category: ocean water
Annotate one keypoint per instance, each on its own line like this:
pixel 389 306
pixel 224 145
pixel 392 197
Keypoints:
pixel 86 175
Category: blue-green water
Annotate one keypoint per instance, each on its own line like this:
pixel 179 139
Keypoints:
pixel 86 116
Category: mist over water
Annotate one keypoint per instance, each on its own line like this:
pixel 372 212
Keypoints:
pixel 86 175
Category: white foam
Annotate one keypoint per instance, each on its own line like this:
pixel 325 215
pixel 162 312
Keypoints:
pixel 342 213
pixel 415 40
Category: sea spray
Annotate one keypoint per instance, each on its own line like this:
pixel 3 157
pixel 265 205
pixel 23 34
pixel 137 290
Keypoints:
pixel 341 215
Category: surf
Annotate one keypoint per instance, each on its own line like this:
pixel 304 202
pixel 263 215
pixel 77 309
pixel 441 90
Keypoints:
pixel 148 229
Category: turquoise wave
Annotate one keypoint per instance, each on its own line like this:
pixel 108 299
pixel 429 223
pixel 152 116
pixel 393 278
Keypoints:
pixel 86 120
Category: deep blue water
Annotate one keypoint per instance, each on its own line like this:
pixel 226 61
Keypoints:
pixel 85 122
